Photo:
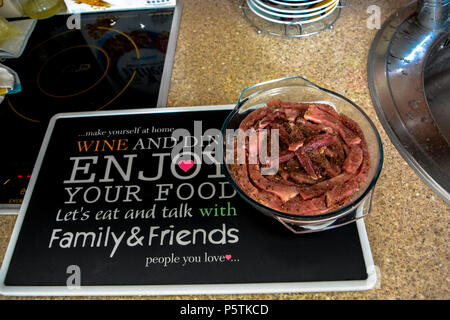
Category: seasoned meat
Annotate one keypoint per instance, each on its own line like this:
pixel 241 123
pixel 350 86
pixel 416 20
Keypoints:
pixel 283 190
pixel 282 158
pixel 317 115
pixel 292 113
pixel 291 171
pixel 285 136
pixel 341 192
pixel 322 162
pixel 353 160
pixel 296 138
pixel 328 109
pixel 305 161
pixel 271 117
pixel 305 207
pixel 321 187
pixel 318 141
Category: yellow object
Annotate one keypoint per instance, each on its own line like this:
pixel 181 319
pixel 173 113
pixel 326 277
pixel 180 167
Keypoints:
pixel 94 3
pixel 41 9
pixel 3 91
pixel 325 2
pixel 7 30
pixel 321 3
pixel 330 4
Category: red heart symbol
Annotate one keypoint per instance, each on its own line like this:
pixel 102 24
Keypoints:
pixel 186 165
pixel 228 256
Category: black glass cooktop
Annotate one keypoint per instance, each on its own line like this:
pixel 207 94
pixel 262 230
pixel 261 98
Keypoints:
pixel 109 61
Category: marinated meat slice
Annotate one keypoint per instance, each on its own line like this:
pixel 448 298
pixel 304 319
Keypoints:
pixel 350 124
pixel 251 119
pixel 282 132
pixel 291 171
pixel 301 178
pixel 291 136
pixel 363 171
pixel 278 179
pixel 261 196
pixel 344 146
pixel 341 193
pixel 263 125
pixel 328 109
pixel 314 206
pixel 281 189
pixel 317 115
pixel 283 174
pixel 240 174
pixel 305 207
pixel 283 157
pixel 296 138
pixel 321 187
pixel 337 150
pixel 330 152
pixel 293 110
pixel 270 117
pixel 292 113
pixel 322 140
pixel 286 156
pixel 305 161
pixel 269 200
pixel 335 168
pixel 329 169
pixel 310 128
pixel 353 160
pixel 287 167
pixel 292 164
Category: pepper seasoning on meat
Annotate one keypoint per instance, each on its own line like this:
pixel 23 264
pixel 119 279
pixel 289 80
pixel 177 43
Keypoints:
pixel 323 158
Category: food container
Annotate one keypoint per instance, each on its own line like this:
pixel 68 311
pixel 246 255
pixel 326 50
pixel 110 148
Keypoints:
pixel 298 89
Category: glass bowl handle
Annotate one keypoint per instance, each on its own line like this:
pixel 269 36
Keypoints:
pixel 272 84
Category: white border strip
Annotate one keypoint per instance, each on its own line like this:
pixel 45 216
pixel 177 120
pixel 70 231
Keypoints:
pixel 156 290
pixel 170 56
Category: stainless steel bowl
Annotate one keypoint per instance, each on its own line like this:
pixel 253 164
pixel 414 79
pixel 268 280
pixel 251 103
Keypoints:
pixel 408 75
pixel 298 89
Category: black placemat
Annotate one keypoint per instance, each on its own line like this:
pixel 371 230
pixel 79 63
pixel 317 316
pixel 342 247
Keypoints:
pixel 129 217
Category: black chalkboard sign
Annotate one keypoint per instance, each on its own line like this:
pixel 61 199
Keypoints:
pixel 108 212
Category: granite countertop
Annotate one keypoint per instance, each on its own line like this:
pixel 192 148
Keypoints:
pixel 218 54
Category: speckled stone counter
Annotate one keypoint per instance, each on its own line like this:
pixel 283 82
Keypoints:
pixel 218 54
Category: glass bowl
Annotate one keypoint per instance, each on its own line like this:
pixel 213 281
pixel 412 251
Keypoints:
pixel 298 89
